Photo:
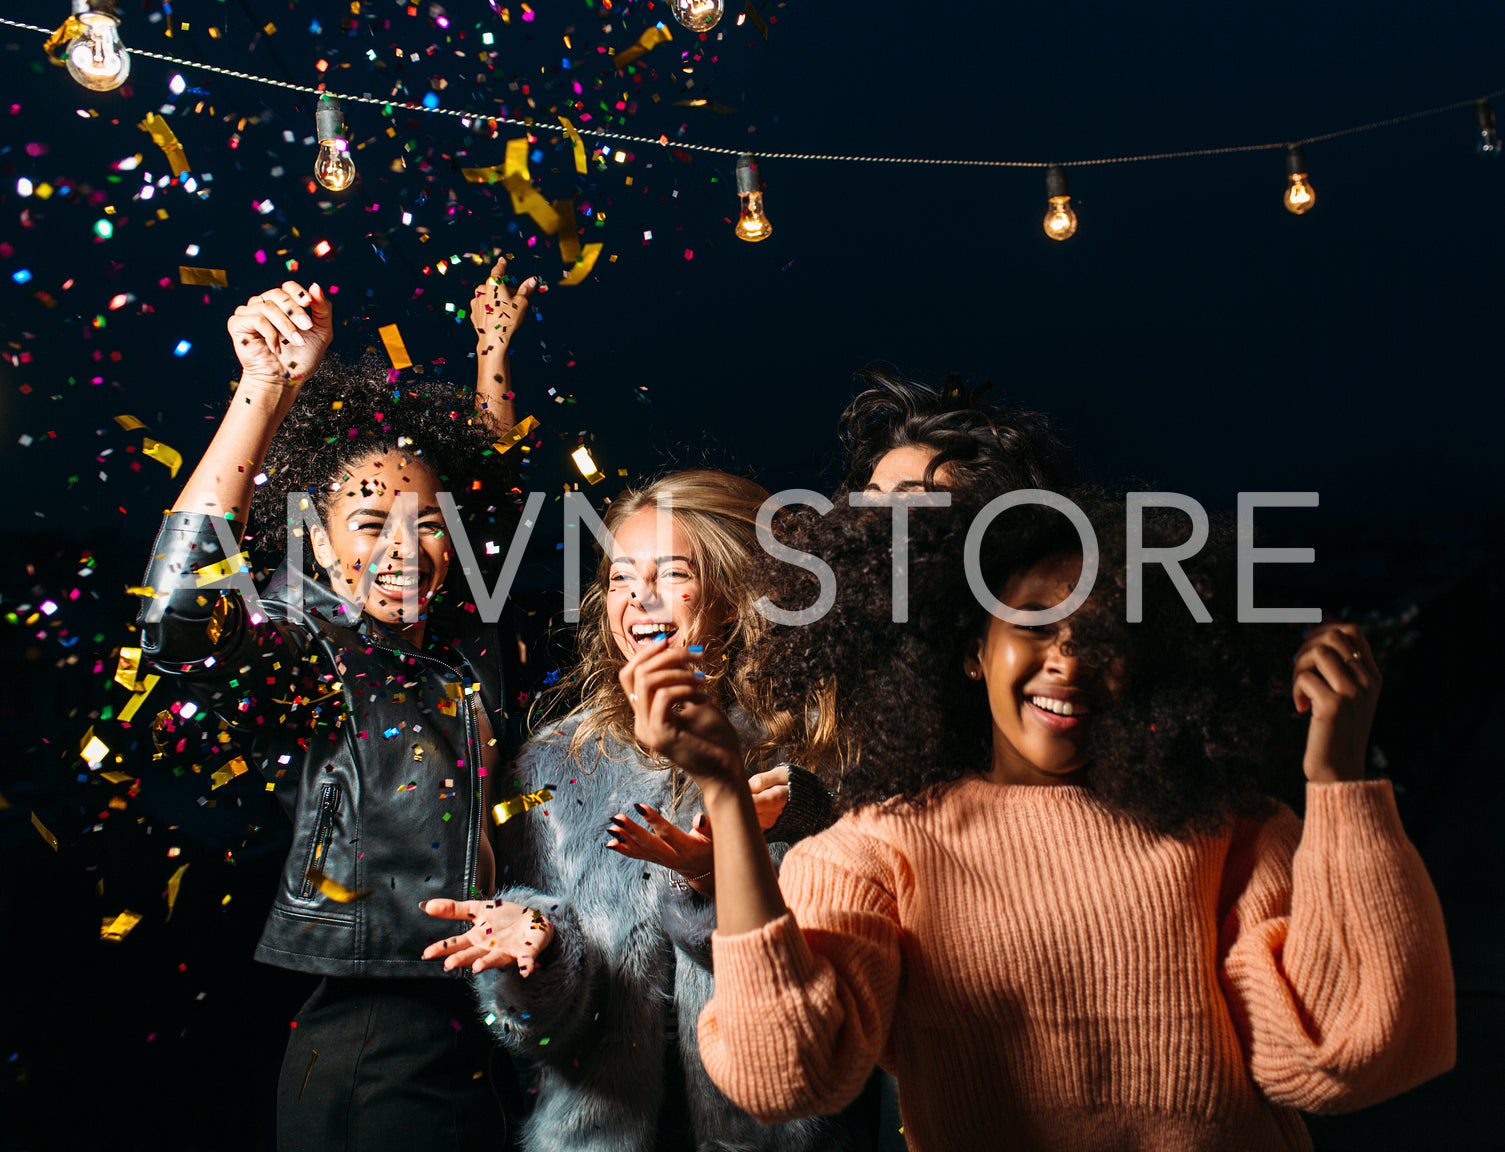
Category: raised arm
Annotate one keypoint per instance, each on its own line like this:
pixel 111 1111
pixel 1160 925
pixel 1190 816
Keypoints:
pixel 280 337
pixel 496 312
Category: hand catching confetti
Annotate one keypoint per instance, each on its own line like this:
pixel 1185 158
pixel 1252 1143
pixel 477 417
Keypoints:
pixel 496 309
pixel 502 934
pixel 281 334
pixel 662 843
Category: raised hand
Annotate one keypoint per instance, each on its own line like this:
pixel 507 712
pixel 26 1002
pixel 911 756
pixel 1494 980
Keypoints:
pixel 280 336
pixel 674 716
pixel 1336 680
pixel 496 310
pixel 770 792
pixel 663 843
pixel 501 934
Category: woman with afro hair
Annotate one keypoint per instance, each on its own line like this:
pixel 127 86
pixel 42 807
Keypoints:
pixel 1060 902
pixel 364 691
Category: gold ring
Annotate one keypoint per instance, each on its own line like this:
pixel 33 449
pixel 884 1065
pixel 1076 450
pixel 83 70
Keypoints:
pixel 632 697
pixel 1357 655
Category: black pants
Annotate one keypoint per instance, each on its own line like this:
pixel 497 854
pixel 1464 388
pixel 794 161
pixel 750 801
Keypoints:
pixel 378 1065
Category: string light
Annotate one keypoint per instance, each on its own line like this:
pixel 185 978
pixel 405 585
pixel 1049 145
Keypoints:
pixel 698 15
pixel 94 54
pixel 1489 139
pixel 334 168
pixel 752 225
pixel 1060 220
pixel 1300 196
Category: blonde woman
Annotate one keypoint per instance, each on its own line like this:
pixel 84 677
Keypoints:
pixel 593 960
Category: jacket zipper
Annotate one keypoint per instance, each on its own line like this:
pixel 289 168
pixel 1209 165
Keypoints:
pixel 329 802
pixel 473 761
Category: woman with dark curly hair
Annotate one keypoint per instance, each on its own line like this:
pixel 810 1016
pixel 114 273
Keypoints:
pixel 1060 903
pixel 901 435
pixel 372 712
pixel 590 965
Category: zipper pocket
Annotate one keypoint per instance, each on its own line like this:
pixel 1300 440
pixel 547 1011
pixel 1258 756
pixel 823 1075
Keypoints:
pixel 329 803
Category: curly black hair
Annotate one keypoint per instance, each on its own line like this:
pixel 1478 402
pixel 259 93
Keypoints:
pixel 350 410
pixel 1192 741
pixel 989 447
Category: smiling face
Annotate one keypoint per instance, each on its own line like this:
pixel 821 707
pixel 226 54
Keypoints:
pixel 654 585
pixel 410 566
pixel 1042 701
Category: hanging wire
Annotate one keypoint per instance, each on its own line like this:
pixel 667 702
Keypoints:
pixel 711 149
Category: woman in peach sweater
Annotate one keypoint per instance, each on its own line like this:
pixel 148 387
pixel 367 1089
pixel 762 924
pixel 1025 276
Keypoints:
pixel 1061 905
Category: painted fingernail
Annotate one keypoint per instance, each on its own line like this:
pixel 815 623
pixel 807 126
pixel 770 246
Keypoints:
pixel 423 904
pixel 699 675
pixel 661 636
pixel 695 649
pixel 643 808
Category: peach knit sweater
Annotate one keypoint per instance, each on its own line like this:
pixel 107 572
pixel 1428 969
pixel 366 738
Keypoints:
pixel 1043 974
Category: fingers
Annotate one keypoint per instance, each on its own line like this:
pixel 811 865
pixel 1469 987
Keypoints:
pixel 320 306
pixel 770 779
pixel 445 909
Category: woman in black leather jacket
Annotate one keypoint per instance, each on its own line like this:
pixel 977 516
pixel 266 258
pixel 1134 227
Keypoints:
pixel 374 713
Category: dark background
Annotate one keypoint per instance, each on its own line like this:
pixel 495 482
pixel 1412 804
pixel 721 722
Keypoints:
pixel 1192 335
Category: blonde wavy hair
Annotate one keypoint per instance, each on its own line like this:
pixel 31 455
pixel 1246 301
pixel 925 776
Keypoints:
pixel 718 513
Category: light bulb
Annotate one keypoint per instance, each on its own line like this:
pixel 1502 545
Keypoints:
pixel 698 15
pixel 1300 196
pixel 95 56
pixel 752 225
pixel 334 168
pixel 1060 220
pixel 1489 140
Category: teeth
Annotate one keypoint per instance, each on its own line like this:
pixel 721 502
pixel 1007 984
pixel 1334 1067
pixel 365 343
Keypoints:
pixel 1059 707
pixel 649 630
pixel 397 580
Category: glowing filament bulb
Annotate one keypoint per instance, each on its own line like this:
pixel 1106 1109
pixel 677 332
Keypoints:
pixel 698 15
pixel 1060 220
pixel 334 168
pixel 95 56
pixel 752 225
pixel 1488 143
pixel 1300 196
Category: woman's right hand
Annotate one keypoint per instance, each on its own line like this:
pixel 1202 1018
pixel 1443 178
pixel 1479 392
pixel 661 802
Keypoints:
pixel 280 335
pixel 501 934
pixel 675 717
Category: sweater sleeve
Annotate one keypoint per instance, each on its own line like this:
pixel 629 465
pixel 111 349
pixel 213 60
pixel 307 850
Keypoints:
pixel 803 1005
pixel 1335 958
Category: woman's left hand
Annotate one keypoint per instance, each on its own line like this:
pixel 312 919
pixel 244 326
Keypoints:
pixel 496 310
pixel 663 843
pixel 1336 680
pixel 675 717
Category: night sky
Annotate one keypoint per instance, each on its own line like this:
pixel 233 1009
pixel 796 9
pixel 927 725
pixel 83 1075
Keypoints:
pixel 1192 336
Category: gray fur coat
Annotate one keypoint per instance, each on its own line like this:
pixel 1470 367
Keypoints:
pixel 629 963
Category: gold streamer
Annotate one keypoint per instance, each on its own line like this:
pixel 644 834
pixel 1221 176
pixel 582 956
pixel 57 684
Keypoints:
pixel 516 806
pixel 36 822
pixel 397 351
pixel 162 135
pixel 583 266
pixel 757 19
pixel 141 692
pixel 648 41
pixel 69 30
pixel 174 882
pixel 518 433
pixel 163 454
pixel 203 277
pixel 128 668
pixel 129 422
pixel 578 144
pixel 569 232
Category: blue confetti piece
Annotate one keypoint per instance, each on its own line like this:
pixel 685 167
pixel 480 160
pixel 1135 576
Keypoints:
pixel 21 275
pixel 431 99
pixel 390 732
pixel 182 348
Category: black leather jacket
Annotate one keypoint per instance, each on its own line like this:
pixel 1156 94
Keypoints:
pixel 372 747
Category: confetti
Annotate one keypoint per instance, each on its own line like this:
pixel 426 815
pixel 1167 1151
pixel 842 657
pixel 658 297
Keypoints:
pixel 174 882
pixel 162 135
pixel 203 277
pixel 163 454
pixel 144 690
pixel 230 771
pixel 119 927
pixel 517 805
pixel 756 17
pixel 583 266
pixel 397 351
pixel 229 566
pixel 129 423
pixel 36 822
pixel 332 888
pixel 576 143
pixel 648 41
pixel 519 432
